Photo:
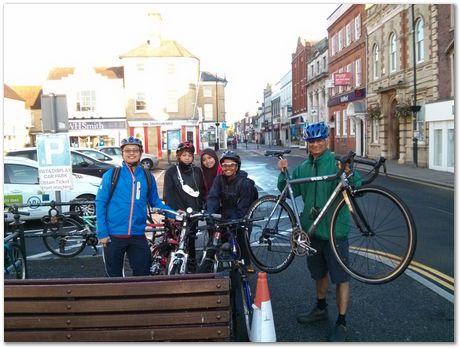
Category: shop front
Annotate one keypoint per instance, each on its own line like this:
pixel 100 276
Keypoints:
pixel 160 138
pixel 92 133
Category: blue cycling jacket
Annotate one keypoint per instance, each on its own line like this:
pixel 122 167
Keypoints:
pixel 126 213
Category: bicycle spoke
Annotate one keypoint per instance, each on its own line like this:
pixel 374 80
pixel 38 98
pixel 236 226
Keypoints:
pixel 269 238
pixel 381 251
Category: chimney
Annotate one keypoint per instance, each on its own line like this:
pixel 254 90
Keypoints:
pixel 155 21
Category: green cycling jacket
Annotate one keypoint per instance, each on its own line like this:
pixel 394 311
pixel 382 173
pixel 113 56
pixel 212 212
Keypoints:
pixel 315 194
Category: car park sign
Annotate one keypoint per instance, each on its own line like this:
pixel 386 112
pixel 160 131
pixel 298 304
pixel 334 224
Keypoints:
pixel 54 162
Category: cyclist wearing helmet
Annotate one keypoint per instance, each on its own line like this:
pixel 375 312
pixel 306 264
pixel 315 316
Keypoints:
pixel 231 195
pixel 321 161
pixel 184 188
pixel 121 218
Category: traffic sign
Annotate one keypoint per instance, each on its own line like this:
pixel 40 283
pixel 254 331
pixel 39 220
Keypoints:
pixel 54 162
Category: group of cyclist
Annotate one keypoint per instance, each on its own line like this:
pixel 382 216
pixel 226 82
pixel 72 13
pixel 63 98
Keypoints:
pixel 219 186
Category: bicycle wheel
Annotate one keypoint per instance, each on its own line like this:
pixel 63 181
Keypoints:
pixel 381 235
pixel 241 309
pixel 269 233
pixel 14 262
pixel 68 240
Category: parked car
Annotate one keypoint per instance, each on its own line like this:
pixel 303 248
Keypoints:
pixel 147 160
pixel 21 186
pixel 100 156
pixel 81 163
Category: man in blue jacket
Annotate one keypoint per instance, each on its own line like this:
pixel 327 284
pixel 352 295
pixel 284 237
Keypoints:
pixel 122 215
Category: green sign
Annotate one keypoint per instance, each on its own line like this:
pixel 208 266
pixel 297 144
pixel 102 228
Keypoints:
pixel 13 199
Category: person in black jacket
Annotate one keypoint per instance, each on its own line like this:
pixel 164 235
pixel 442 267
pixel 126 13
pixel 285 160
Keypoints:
pixel 231 195
pixel 183 188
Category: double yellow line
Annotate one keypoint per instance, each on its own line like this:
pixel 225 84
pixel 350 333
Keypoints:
pixel 428 272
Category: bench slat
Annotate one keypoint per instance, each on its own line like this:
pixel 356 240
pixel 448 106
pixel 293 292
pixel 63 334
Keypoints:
pixel 165 308
pixel 163 287
pixel 176 333
pixel 116 305
pixel 108 320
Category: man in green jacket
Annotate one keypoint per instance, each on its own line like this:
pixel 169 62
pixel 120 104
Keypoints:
pixel 321 161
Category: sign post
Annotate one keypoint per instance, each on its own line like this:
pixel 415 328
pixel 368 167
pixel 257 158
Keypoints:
pixel 53 147
pixel 54 162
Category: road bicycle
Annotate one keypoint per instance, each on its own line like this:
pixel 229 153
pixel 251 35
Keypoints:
pixel 14 255
pixel 223 254
pixel 381 229
pixel 67 235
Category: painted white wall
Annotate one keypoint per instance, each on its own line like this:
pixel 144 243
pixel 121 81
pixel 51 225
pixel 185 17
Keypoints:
pixel 16 120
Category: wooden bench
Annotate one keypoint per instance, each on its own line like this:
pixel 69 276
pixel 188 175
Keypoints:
pixel 192 307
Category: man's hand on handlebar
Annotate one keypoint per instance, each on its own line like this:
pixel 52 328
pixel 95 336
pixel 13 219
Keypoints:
pixel 282 164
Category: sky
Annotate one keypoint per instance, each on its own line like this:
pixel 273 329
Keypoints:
pixel 249 44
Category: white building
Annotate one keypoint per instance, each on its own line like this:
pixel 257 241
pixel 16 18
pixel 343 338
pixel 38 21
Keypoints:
pixel 161 82
pixel 16 120
pixel 95 103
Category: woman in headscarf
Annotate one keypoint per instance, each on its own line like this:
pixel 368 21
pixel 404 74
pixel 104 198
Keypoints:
pixel 210 167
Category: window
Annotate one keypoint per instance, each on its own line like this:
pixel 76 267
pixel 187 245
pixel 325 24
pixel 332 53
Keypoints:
pixel 344 122
pixel 86 101
pixel 375 131
pixel 207 91
pixel 352 126
pixel 208 112
pixel 420 40
pixel 450 147
pixel 375 62
pixel 357 27
pixel 358 72
pixel 324 63
pixel 392 52
pixel 338 122
pixel 141 105
pixel 20 174
pixel 348 34
pixel 341 39
pixel 350 70
pixel 421 124
pixel 334 45
pixel 317 67
pixel 172 101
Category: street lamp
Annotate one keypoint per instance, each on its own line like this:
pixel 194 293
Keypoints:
pixel 216 146
pixel 415 108
pixel 263 120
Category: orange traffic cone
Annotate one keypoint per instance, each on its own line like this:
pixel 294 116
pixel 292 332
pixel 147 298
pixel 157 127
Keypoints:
pixel 263 327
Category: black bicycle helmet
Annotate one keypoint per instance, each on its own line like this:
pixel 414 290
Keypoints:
pixel 315 131
pixel 230 155
pixel 131 141
pixel 185 146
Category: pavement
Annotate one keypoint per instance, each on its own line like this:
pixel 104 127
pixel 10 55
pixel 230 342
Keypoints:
pixel 393 168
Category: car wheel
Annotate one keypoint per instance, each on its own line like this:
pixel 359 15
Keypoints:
pixel 147 163
pixel 84 209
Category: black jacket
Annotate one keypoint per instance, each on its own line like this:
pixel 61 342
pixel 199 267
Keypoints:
pixel 231 198
pixel 173 193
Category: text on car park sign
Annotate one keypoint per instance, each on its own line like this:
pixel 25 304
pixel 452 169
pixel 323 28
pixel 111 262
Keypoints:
pixel 54 162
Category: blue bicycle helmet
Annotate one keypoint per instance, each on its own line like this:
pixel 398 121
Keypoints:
pixel 131 141
pixel 315 131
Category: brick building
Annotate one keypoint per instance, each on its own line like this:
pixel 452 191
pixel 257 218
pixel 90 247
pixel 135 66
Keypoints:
pixel 347 62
